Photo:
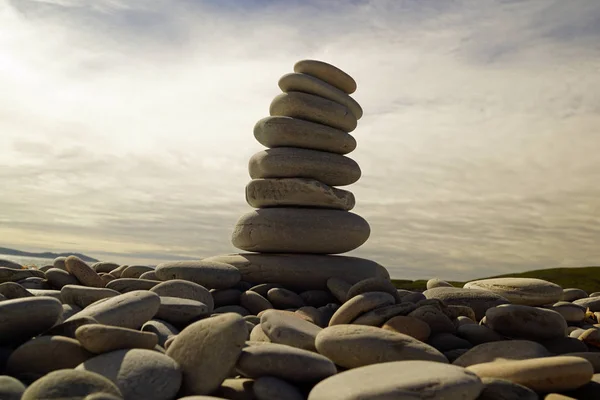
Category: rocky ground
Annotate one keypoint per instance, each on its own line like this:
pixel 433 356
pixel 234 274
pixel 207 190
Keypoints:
pixel 108 331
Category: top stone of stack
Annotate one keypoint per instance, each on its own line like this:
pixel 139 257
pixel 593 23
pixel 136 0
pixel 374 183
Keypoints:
pixel 293 182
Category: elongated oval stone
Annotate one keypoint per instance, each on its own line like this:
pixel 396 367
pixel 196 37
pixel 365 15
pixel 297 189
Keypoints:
pixel 23 318
pixel 288 162
pixel 299 192
pixel 281 131
pixel 305 83
pixel 313 108
pixel 210 274
pixel 328 73
pixel 300 230
pixel 522 291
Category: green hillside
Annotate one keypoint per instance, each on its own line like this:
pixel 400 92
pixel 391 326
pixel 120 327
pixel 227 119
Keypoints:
pixel 586 278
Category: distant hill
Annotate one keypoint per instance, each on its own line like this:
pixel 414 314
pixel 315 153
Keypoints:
pixel 47 254
pixel 586 278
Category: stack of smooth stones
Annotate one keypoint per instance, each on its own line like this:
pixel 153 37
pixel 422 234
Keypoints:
pixel 289 320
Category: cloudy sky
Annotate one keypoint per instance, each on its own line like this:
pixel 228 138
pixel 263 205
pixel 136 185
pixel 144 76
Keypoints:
pixel 126 125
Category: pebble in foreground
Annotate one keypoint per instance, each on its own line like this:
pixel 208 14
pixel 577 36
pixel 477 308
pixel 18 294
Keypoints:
pixel 291 318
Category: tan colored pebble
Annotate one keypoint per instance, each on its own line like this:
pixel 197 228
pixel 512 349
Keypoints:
pixel 98 338
pixel 410 326
pixel 327 73
pixel 360 304
pixel 83 272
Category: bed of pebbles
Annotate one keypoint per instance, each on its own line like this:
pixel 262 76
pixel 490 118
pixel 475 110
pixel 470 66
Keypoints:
pixel 291 320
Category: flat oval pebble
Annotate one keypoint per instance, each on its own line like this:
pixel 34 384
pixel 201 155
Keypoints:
pixel 478 334
pixel 14 275
pixel 433 316
pixel 162 329
pixel 436 282
pixel 593 303
pixel 83 296
pixel 226 297
pixel 105 266
pixel 11 388
pixel 98 338
pixel 301 271
pixel 258 335
pixel 283 298
pixel 508 349
pixel 410 326
pixel 26 317
pixel 254 302
pixel 352 346
pixel 238 388
pixel 129 310
pixel 207 351
pixel 270 388
pixel 523 291
pixel 185 290
pixel 12 290
pixel 290 162
pixel 37 357
pixel 546 374
pixel 571 294
pixel 208 273
pixel 297 192
pixel 10 264
pixel 135 271
pixel 379 316
pixel 373 285
pixel 570 312
pixel 313 108
pixel 327 73
pixel 400 380
pixel 281 131
pixel 360 304
pixel 180 311
pixel 286 362
pixel 288 329
pixel 138 373
pixel 83 272
pixel 297 82
pixel 242 311
pixel 70 384
pixel 277 230
pixel 500 389
pixel 126 285
pixel 59 278
pixel 479 300
pixel 525 322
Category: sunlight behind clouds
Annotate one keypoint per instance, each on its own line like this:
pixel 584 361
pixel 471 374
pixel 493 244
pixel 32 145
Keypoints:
pixel 126 127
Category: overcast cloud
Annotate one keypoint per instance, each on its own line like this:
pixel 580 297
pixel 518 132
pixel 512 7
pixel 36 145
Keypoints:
pixel 126 126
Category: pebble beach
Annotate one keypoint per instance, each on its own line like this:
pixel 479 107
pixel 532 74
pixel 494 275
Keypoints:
pixel 291 317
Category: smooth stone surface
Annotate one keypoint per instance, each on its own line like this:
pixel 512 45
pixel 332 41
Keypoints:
pixel 242 311
pixel 593 303
pixel 257 334
pixel 236 389
pixel 525 322
pixel 522 291
pixel 590 337
pixel 546 374
pixel 69 328
pixel 185 290
pixel 11 388
pixel 26 317
pixel 14 275
pixel 409 326
pixel 162 329
pixel 283 298
pixel 592 357
pixel 571 294
pixel 400 380
pixel 284 328
pixel 478 300
pixel 126 285
pixel 46 293
pixel 339 288
pixel 379 316
pixel 180 311
pixel 478 334
pixel 208 273
pixel 69 384
pixel 270 388
pixel 45 354
pixel 570 312
pixel 207 351
pixel 313 108
pixel 373 285
pixel 135 271
pixel 360 304
pixel 291 162
pixel 12 290
pixel 129 310
pixel 312 315
pixel 260 359
pixel 280 131
pixel 300 230
pixel 507 349
pixel 352 346
pixel 83 272
pixel 433 316
pixel 59 278
pixel 35 282
pixel 301 271
pixel 445 342
pixel 436 282
pixel 150 275
pixel 297 82
pixel 500 389
pixel 59 262
pixel 105 266
pixel 99 339
pixel 563 345
pixel 327 73
pixel 139 374
pixel 83 296
pixel 254 302
pixel 10 264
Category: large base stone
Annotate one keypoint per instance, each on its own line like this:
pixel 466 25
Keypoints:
pixel 301 271
pixel 300 230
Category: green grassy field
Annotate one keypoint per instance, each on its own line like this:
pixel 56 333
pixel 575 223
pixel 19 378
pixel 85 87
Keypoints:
pixel 586 278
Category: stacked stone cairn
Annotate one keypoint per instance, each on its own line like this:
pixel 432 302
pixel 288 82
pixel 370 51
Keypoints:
pixel 289 320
